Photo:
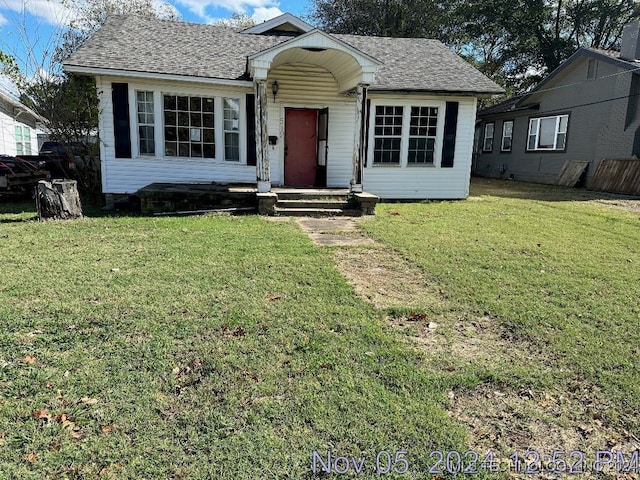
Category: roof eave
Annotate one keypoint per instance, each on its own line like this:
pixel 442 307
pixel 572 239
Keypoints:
pixel 82 70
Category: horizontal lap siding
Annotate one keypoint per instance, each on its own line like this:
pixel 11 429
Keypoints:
pixel 128 175
pixel 309 86
pixel 423 182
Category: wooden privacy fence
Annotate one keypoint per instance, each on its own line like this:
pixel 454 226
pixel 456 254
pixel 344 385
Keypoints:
pixel 617 175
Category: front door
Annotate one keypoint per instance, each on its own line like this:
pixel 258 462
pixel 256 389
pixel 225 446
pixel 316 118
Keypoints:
pixel 300 147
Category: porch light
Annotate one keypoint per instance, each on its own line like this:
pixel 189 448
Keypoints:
pixel 274 88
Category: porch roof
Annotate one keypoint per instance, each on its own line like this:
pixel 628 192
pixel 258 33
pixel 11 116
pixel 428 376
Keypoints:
pixel 132 44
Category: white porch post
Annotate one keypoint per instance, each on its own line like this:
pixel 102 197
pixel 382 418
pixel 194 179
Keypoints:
pixel 358 140
pixel 263 172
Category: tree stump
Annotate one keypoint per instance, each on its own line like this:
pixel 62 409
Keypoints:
pixel 58 199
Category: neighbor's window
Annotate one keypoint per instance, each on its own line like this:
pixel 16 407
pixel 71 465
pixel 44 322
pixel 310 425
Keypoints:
pixel 231 129
pixel 387 135
pixel 189 126
pixel 507 136
pixel 487 145
pixel 548 133
pixel 422 135
pixel 23 140
pixel 146 122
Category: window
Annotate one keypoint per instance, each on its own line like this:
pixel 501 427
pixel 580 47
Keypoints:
pixel 23 140
pixel 387 135
pixel 231 129
pixel 422 135
pixel 507 136
pixel 146 122
pixel 487 145
pixel 189 126
pixel 548 133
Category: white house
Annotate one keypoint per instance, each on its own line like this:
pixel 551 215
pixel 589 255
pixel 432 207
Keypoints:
pixel 281 104
pixel 18 124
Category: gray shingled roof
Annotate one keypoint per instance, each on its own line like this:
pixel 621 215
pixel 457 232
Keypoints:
pixel 141 44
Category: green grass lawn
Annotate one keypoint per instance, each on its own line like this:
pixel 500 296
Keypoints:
pixel 231 347
pixel 558 270
pixel 203 347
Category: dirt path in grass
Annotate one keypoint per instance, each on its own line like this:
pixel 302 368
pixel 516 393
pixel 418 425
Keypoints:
pixel 451 338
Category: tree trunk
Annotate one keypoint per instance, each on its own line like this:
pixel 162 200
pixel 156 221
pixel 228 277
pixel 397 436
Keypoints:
pixel 58 199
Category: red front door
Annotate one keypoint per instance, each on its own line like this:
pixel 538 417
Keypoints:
pixel 300 147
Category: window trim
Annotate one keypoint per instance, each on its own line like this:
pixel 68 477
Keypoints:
pixel 22 142
pixel 139 124
pixel 555 148
pixel 502 147
pixel 159 91
pixel 404 137
pixel 485 137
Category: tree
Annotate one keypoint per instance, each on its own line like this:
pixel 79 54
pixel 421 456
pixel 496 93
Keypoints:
pixel 239 21
pixel 388 18
pixel 68 103
pixel 515 42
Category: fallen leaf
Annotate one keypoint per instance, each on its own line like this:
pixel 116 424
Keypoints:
pixel 42 414
pixel 238 332
pixel 175 371
pixel 31 457
pixel 49 385
pixel 108 428
pixel 274 297
pixel 28 359
pixel 89 401
pixel 78 435
pixel 115 270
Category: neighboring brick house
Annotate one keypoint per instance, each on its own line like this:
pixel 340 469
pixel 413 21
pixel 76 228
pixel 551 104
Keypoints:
pixel 280 104
pixel 586 110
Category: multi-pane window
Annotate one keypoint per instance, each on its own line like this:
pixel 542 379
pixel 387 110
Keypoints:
pixel 146 122
pixel 23 140
pixel 423 130
pixel 548 133
pixel 189 126
pixel 487 145
pixel 387 135
pixel 507 136
pixel 231 129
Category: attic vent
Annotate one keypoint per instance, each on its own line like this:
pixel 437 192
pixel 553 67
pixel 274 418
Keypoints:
pixel 310 49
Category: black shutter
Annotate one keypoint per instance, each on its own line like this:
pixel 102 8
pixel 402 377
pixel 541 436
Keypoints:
pixel 450 126
pixel 251 129
pixel 121 122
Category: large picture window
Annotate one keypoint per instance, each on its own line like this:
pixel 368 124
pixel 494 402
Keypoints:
pixel 422 135
pixel 146 122
pixel 548 133
pixel 387 135
pixel 189 126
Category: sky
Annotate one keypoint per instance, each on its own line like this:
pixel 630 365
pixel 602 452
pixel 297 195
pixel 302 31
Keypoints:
pixel 28 28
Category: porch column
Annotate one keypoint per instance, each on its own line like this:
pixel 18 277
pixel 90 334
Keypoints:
pixel 263 172
pixel 358 140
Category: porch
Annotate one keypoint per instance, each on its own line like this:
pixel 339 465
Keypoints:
pixel 196 198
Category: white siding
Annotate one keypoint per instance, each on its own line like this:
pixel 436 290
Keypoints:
pixel 8 135
pixel 127 175
pixel 421 181
pixel 308 86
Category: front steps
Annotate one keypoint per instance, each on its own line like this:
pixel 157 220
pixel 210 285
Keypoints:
pixel 315 203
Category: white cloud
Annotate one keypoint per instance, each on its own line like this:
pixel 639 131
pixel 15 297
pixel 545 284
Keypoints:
pixel 3 20
pixel 49 11
pixel 200 7
pixel 262 14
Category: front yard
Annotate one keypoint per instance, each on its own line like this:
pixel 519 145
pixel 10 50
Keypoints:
pixel 232 347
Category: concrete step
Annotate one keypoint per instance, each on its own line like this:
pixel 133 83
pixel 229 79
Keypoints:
pixel 309 203
pixel 316 196
pixel 315 212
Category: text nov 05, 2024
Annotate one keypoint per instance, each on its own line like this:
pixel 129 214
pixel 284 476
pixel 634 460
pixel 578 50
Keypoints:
pixel 528 462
